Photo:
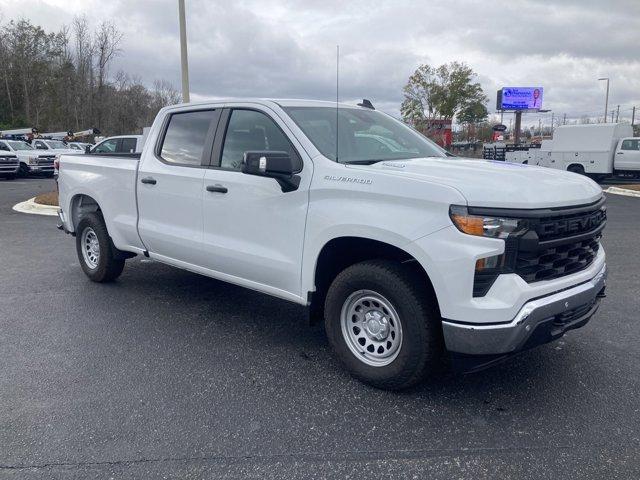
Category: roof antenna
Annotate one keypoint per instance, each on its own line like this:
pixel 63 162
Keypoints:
pixel 337 95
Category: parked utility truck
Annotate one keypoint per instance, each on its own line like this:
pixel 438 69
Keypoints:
pixel 598 150
pixel 31 160
pixel 406 254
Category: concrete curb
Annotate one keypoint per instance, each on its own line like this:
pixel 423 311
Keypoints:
pixel 623 191
pixel 30 206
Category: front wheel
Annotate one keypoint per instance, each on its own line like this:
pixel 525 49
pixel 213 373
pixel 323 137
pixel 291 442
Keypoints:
pixel 97 255
pixel 384 325
pixel 23 170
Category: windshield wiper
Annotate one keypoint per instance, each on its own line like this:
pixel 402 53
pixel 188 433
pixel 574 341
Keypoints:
pixel 361 162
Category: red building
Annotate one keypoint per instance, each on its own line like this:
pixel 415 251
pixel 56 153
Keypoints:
pixel 437 130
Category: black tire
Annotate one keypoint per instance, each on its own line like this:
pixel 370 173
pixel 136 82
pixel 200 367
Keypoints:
pixel 421 350
pixel 23 171
pixel 576 168
pixel 48 174
pixel 10 176
pixel 108 266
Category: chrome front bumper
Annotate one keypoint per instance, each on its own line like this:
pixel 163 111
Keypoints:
pixel 539 321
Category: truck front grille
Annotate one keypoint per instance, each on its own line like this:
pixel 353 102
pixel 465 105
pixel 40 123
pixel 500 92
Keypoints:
pixel 46 161
pixel 564 259
pixel 7 163
pixel 556 243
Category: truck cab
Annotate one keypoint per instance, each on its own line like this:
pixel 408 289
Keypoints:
pixel 627 157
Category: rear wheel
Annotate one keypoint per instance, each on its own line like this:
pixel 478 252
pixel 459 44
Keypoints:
pixel 383 324
pixel 98 257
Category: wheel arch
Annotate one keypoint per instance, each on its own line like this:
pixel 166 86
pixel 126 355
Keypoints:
pixel 338 253
pixel 79 205
pixel 579 167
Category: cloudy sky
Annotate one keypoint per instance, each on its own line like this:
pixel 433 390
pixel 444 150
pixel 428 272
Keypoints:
pixel 286 48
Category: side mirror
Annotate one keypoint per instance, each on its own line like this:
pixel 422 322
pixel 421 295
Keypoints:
pixel 87 149
pixel 272 164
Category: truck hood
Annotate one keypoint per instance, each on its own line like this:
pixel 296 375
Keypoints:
pixel 498 184
pixel 26 154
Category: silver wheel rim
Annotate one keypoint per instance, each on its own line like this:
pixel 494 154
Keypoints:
pixel 90 247
pixel 371 328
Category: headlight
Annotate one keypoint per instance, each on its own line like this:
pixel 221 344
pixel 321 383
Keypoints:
pixel 483 226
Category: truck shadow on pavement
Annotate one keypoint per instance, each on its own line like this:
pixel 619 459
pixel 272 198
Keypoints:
pixel 192 306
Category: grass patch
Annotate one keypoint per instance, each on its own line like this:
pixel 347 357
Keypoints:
pixel 635 187
pixel 50 198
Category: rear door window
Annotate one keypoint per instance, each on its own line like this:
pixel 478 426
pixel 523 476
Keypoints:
pixel 186 135
pixel 128 145
pixel 630 145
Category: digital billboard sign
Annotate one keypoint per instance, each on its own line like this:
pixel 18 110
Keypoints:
pixel 520 98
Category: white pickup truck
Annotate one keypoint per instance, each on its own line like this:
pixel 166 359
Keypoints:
pixel 406 254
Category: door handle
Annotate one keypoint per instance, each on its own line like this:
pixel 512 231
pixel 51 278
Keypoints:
pixel 149 180
pixel 620 153
pixel 217 188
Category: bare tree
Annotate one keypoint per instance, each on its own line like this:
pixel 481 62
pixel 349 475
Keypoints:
pixel 106 43
pixel 61 81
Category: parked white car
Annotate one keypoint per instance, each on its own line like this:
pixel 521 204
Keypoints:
pixel 31 160
pixel 405 253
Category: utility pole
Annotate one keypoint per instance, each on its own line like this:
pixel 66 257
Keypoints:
pixel 633 116
pixel 540 127
pixel 564 119
pixel 183 52
pixel 552 114
pixel 606 100
pixel 618 114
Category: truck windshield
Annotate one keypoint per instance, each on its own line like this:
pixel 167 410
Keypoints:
pixel 55 144
pixel 17 145
pixel 365 136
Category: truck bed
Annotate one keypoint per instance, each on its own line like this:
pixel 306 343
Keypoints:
pixel 111 181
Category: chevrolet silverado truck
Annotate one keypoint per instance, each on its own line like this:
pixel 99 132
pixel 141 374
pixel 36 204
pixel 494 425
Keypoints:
pixel 409 255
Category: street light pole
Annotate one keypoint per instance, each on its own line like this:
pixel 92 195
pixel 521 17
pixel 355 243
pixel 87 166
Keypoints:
pixel 183 52
pixel 606 100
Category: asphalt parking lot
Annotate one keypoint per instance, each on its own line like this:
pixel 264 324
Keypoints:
pixel 167 374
